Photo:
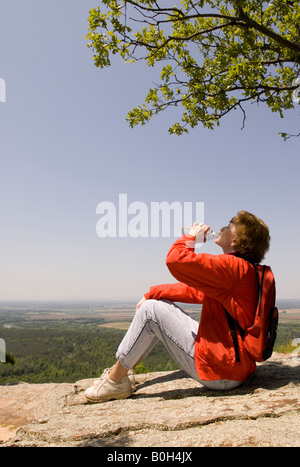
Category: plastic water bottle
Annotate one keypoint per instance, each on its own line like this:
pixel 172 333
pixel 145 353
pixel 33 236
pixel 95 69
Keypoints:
pixel 210 235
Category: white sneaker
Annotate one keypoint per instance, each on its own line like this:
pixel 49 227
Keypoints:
pixel 105 389
pixel 130 375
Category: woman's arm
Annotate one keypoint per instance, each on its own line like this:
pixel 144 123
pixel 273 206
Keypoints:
pixel 177 292
pixel 212 274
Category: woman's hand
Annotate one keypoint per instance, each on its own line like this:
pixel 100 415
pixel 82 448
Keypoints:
pixel 199 231
pixel 140 303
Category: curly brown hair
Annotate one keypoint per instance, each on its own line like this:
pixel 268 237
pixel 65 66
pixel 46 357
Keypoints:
pixel 253 237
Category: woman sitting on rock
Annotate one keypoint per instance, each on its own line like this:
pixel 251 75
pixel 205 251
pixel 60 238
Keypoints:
pixel 204 350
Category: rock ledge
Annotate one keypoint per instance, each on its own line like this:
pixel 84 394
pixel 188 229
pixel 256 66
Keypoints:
pixel 168 409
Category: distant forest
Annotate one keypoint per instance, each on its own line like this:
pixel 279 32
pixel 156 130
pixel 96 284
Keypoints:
pixel 66 351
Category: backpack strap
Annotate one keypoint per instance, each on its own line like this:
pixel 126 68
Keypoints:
pixel 232 323
pixel 260 285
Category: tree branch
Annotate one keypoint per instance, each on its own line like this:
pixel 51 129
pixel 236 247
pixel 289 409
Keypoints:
pixel 268 32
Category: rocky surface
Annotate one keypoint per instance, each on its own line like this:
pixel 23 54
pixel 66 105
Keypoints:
pixel 168 409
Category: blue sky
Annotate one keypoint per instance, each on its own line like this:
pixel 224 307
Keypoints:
pixel 65 147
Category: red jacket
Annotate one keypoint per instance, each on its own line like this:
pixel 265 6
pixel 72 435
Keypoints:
pixel 216 281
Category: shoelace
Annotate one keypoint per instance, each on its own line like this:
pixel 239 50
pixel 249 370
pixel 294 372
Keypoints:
pixel 98 381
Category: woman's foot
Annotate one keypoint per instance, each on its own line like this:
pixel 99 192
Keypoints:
pixel 105 389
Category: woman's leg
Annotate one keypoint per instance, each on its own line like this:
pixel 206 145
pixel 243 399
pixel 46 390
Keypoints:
pixel 158 320
pixel 154 320
pixel 162 320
